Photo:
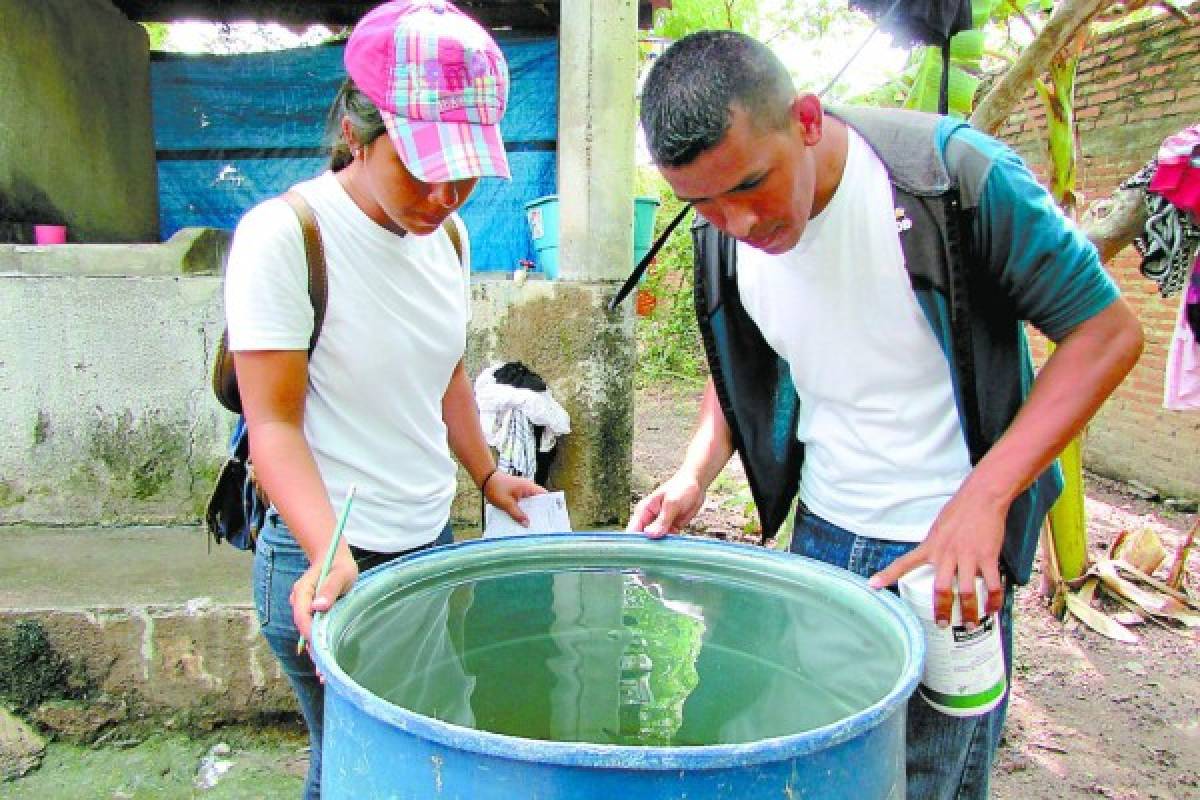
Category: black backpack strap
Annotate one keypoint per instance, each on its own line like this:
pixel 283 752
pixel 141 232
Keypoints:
pixel 640 269
pixel 944 88
pixel 314 255
pixel 962 343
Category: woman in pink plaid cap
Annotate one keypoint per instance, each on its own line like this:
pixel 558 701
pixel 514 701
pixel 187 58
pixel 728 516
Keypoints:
pixel 384 398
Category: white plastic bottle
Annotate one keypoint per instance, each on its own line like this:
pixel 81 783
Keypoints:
pixel 964 669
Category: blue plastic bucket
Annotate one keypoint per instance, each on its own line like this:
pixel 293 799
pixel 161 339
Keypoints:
pixel 674 619
pixel 542 216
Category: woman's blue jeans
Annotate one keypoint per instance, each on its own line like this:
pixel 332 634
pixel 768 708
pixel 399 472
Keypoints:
pixel 278 563
pixel 948 758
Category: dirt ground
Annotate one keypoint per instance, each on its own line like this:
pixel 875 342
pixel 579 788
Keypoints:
pixel 1089 717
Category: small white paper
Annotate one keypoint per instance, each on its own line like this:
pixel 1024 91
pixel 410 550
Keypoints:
pixel 547 514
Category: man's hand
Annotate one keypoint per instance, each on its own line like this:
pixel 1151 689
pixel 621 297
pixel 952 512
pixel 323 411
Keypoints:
pixel 307 597
pixel 669 507
pixel 964 542
pixel 504 491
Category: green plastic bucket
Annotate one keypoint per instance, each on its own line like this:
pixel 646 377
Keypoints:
pixel 577 666
pixel 644 211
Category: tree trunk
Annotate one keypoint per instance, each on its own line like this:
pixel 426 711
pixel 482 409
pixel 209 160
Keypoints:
pixel 1069 17
pixel 1113 222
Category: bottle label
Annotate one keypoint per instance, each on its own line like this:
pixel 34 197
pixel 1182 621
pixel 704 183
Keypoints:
pixel 964 669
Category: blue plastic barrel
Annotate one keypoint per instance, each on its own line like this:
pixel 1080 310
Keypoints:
pixel 542 216
pixel 681 612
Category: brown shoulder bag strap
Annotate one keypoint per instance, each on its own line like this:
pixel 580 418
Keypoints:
pixel 314 254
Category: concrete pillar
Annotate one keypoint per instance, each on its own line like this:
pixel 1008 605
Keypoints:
pixel 563 330
pixel 597 84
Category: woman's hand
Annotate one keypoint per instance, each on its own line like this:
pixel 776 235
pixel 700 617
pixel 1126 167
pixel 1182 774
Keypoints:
pixel 503 491
pixel 307 597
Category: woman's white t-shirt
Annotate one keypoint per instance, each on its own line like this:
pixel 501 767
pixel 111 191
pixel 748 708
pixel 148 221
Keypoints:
pixel 884 448
pixel 394 331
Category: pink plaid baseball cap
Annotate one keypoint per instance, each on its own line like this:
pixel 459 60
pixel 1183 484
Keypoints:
pixel 440 83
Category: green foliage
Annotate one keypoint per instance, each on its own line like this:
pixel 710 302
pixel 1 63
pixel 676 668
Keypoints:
pixel 658 667
pixel 741 500
pixel 807 19
pixel 232 37
pixel 668 340
pixel 966 50
pixel 689 16
pixel 157 33
pixel 1004 10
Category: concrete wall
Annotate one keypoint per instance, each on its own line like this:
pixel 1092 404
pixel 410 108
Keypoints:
pixel 103 393
pixel 76 144
pixel 104 382
pixel 1136 86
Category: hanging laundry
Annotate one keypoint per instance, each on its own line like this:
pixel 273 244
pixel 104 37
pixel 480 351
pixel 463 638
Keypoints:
pixel 521 421
pixel 1191 305
pixel 514 373
pixel 1182 386
pixel 1177 178
pixel 1170 242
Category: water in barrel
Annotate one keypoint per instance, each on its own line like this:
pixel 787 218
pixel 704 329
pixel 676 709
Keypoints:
pixel 625 656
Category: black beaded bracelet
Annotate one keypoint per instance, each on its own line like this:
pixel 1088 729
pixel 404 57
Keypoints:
pixel 488 477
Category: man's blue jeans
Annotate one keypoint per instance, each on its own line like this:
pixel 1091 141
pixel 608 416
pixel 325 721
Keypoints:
pixel 949 758
pixel 278 563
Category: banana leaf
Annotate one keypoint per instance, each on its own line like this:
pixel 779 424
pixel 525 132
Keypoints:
pixel 1099 621
pixel 926 86
pixel 966 60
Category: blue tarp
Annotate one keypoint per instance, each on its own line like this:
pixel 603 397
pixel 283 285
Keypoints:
pixel 234 130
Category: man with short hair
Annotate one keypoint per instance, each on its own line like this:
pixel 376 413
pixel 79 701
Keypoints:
pixel 863 280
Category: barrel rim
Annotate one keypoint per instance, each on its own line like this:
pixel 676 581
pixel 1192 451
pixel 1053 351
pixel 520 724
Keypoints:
pixel 601 756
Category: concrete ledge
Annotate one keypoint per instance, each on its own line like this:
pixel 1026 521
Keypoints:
pixel 193 660
pixel 147 621
pixel 191 251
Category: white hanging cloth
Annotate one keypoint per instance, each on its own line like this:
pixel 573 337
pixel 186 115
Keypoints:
pixel 508 415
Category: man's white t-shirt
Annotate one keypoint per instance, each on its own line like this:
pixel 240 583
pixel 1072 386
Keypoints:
pixel 394 331
pixel 884 448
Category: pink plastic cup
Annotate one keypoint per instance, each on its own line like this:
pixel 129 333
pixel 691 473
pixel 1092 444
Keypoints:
pixel 50 234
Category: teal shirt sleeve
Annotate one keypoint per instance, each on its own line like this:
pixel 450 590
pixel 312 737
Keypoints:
pixel 1045 264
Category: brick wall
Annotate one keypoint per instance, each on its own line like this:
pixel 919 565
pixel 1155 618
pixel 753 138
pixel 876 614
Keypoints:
pixel 1136 86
